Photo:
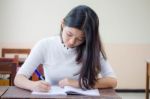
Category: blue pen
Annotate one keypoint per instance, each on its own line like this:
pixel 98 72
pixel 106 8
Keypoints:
pixel 39 74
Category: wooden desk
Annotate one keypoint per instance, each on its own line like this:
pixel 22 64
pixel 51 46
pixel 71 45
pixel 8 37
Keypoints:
pixel 3 89
pixel 147 78
pixel 21 61
pixel 15 92
pixel 8 68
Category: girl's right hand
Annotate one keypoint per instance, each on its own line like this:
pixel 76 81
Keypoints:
pixel 41 86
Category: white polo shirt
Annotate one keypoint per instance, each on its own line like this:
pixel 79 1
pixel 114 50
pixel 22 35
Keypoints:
pixel 58 61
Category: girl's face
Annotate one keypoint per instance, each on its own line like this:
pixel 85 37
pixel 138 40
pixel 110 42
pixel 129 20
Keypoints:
pixel 72 37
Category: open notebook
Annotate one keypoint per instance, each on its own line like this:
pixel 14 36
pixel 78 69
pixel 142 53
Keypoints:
pixel 68 90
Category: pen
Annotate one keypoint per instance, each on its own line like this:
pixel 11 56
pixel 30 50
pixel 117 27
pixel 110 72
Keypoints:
pixel 75 74
pixel 39 74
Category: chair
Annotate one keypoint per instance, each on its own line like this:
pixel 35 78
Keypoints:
pixel 14 51
pixel 147 78
pixel 17 52
pixel 13 60
pixel 5 75
pixel 8 66
pixel 21 61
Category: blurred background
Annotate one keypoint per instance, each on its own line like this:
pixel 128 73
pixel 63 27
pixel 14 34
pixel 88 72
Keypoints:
pixel 124 29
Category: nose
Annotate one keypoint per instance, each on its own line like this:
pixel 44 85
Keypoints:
pixel 72 41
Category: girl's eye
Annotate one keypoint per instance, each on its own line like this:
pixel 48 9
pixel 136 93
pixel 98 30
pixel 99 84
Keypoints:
pixel 82 39
pixel 68 34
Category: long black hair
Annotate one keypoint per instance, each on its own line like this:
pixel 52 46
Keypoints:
pixel 88 53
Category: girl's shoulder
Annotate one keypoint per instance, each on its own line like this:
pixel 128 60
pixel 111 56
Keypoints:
pixel 52 38
pixel 49 40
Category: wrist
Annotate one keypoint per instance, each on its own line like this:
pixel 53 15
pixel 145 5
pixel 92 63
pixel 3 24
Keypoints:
pixel 31 86
pixel 74 83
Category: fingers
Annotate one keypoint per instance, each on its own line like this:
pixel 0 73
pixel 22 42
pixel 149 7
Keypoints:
pixel 41 86
pixel 45 83
pixel 69 82
pixel 64 82
pixel 45 86
pixel 61 84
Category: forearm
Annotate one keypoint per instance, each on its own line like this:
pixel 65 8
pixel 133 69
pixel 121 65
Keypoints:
pixel 106 82
pixel 23 82
pixel 74 83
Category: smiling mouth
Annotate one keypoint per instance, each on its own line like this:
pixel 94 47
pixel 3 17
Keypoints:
pixel 71 46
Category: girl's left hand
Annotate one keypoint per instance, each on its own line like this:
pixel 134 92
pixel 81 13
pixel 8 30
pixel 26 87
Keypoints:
pixel 68 82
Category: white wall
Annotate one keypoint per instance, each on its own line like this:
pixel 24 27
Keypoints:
pixel 124 24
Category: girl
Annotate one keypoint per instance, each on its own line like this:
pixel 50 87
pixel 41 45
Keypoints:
pixel 75 58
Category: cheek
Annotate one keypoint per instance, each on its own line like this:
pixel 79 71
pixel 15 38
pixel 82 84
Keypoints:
pixel 65 39
pixel 77 44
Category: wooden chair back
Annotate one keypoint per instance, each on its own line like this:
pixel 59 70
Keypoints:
pixel 8 66
pixel 21 51
pixel 14 51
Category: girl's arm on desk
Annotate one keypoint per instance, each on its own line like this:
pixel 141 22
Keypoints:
pixel 23 82
pixel 105 82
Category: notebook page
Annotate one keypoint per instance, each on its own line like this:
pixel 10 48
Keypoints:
pixel 92 92
pixel 55 90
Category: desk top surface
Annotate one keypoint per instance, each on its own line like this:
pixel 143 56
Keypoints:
pixel 15 92
pixel 3 89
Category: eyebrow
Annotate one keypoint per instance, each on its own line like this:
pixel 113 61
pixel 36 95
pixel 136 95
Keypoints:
pixel 70 32
pixel 83 36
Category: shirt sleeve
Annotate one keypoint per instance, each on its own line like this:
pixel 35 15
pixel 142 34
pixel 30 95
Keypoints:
pixel 106 69
pixel 35 58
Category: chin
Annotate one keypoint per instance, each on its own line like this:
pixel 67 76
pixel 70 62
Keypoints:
pixel 70 46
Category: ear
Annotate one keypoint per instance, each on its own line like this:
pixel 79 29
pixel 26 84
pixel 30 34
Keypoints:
pixel 62 23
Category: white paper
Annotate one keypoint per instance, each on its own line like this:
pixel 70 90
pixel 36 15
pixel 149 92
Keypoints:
pixel 56 90
pixel 92 92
